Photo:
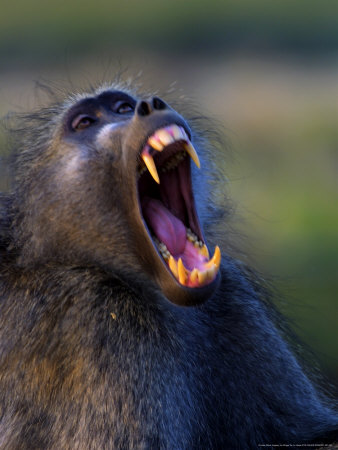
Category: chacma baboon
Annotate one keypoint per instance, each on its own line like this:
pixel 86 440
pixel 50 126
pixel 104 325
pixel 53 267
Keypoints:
pixel 118 329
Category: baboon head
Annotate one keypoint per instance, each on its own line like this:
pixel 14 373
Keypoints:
pixel 106 180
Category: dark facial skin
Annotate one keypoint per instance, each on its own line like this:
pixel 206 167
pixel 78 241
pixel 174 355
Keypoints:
pixel 91 202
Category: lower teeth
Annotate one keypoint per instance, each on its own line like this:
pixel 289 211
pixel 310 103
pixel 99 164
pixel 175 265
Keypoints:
pixel 194 277
pixel 162 248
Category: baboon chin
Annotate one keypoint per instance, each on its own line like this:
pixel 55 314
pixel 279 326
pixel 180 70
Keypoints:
pixel 121 324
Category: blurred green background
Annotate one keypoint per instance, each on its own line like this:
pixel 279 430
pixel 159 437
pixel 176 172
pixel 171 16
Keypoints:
pixel 268 71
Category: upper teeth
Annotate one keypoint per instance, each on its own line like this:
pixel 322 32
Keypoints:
pixel 161 139
pixel 166 136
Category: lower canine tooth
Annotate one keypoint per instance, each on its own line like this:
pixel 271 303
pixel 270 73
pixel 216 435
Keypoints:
pixel 192 152
pixel 216 259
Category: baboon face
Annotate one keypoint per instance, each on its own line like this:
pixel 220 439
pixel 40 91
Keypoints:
pixel 120 190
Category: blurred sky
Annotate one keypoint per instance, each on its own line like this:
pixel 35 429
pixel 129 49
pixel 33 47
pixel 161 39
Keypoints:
pixel 267 71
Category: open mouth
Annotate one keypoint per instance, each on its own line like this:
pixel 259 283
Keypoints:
pixel 168 207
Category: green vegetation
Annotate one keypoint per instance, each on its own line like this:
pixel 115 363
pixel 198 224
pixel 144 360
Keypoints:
pixel 35 30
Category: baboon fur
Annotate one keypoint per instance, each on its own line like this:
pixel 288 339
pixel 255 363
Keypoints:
pixel 95 353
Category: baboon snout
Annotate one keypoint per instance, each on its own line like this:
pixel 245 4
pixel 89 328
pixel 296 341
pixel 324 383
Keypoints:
pixel 146 107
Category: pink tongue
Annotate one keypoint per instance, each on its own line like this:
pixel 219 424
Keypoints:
pixel 167 228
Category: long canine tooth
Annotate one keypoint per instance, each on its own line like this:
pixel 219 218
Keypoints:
pixel 173 266
pixel 192 152
pixel 216 259
pixel 155 144
pixel 149 162
pixel 182 275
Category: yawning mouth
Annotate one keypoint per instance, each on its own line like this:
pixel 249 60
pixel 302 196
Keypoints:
pixel 168 207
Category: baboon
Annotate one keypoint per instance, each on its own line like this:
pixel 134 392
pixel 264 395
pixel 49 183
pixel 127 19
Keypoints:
pixel 124 325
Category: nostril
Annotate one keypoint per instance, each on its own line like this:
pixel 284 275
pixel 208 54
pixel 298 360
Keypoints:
pixel 158 103
pixel 143 109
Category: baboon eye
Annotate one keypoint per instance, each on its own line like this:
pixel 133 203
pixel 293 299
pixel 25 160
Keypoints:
pixel 123 107
pixel 82 121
